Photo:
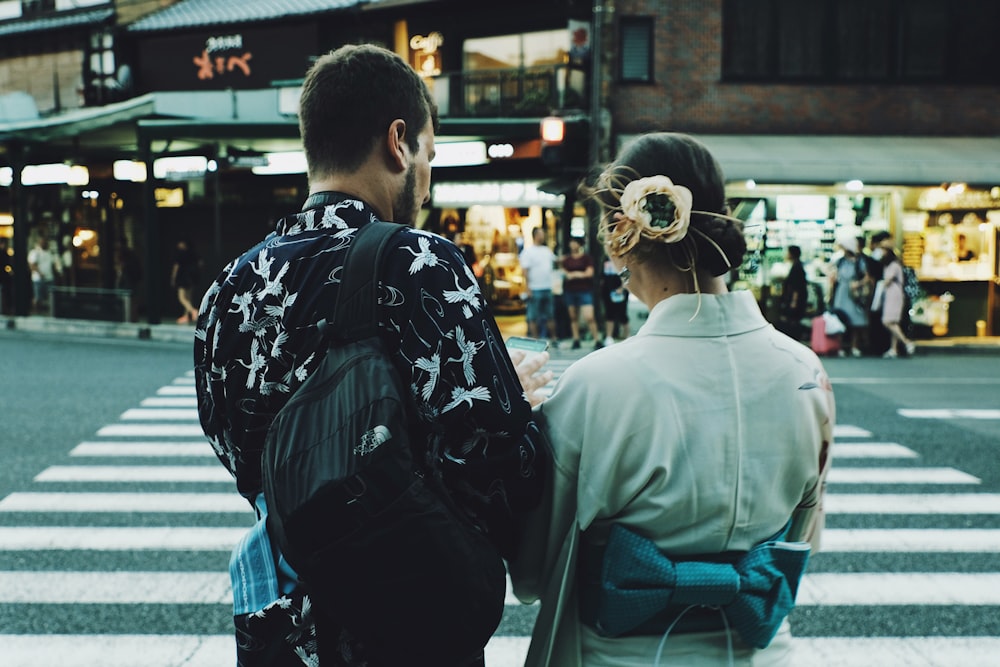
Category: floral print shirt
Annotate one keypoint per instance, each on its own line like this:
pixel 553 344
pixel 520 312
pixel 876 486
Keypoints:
pixel 256 342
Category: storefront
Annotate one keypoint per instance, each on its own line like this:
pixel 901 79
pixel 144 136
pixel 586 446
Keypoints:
pixel 938 197
pixel 495 219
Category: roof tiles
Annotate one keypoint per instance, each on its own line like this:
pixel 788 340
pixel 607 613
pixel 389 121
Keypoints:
pixel 194 13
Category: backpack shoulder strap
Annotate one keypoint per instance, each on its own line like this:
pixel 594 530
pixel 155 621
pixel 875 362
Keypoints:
pixel 355 315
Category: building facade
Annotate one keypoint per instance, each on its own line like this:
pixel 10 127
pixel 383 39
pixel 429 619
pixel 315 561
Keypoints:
pixel 869 114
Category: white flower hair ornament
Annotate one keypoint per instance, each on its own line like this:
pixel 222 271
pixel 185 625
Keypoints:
pixel 654 207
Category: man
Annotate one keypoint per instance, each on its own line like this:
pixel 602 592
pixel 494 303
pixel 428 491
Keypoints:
pixel 578 291
pixel 538 263
pixel 367 122
pixel 44 266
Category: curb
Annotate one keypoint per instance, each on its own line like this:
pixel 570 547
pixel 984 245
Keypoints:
pixel 171 333
pixel 181 333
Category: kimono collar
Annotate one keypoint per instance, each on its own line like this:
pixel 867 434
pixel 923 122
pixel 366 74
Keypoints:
pixel 718 315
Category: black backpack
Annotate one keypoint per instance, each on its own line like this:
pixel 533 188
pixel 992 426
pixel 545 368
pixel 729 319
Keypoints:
pixel 365 522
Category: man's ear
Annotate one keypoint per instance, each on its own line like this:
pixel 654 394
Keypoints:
pixel 396 143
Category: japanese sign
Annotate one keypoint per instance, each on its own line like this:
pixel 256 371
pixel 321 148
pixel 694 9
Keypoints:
pixel 234 57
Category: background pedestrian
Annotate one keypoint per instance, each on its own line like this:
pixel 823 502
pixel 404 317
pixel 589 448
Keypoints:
pixel 538 263
pixel 578 292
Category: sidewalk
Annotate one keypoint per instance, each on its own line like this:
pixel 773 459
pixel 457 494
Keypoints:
pixel 509 325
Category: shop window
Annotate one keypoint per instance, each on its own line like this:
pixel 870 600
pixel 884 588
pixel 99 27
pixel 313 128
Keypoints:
pixel 635 35
pixel 925 43
pixel 862 39
pixel 547 47
pixel 35 7
pixel 515 74
pixel 801 31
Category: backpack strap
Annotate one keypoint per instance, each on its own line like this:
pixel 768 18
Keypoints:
pixel 355 314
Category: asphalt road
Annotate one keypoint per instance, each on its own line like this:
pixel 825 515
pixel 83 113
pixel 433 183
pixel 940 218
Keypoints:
pixel 909 574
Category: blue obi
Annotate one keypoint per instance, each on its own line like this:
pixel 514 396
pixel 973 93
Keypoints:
pixel 643 591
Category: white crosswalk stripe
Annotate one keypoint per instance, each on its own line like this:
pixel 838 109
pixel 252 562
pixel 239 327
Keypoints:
pixel 151 448
pixel 211 522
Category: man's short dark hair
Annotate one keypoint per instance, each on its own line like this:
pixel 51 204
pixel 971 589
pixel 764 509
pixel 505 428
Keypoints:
pixel 878 237
pixel 794 251
pixel 349 98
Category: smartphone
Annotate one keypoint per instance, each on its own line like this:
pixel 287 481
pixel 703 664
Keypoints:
pixel 527 344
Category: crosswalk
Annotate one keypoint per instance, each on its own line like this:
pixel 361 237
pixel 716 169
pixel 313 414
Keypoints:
pixel 142 520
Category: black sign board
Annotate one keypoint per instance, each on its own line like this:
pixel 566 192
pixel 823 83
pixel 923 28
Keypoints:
pixel 227 57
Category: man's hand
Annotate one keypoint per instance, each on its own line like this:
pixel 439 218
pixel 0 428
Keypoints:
pixel 529 371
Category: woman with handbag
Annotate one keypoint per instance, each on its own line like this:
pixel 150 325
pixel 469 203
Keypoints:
pixel 851 289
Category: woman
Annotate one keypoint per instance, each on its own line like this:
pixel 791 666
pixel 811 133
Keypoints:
pixel 850 286
pixel 893 300
pixel 703 435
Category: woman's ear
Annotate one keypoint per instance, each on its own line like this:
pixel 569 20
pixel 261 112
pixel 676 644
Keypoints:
pixel 396 143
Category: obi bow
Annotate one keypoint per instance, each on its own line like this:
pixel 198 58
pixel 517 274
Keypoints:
pixel 755 593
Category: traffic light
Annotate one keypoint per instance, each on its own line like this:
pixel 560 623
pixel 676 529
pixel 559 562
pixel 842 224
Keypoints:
pixel 565 143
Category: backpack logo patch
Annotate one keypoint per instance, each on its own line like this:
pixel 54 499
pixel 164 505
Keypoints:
pixel 371 439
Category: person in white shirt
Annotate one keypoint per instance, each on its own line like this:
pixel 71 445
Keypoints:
pixel 44 266
pixel 538 262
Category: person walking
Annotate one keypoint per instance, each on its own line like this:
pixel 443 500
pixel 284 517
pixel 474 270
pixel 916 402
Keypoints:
pixel 851 289
pixel 367 122
pixel 689 460
pixel 893 301
pixel 578 292
pixel 879 337
pixel 43 263
pixel 6 278
pixel 614 297
pixel 794 295
pixel 538 263
pixel 184 276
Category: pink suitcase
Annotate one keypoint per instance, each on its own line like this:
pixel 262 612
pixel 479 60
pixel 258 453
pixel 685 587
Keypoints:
pixel 820 343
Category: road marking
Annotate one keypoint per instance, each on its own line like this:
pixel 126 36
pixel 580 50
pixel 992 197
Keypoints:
pixel 899 476
pixel 198 449
pixel 118 650
pixel 920 381
pixel 855 503
pixel 23 586
pixel 175 391
pixel 214 503
pixel 118 539
pixel 827 589
pixel 206 473
pixel 187 380
pixel 891 588
pixel 501 651
pixel 948 413
pixel 895 651
pixel 874 450
pixel 152 414
pixel 152 430
pixel 916 503
pixel 848 431
pixel 905 540
pixel 169 402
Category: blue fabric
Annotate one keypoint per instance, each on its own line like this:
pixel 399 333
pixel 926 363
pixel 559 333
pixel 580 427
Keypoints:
pixel 256 579
pixel 755 593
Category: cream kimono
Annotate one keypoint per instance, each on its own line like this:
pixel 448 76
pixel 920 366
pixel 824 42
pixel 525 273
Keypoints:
pixel 705 432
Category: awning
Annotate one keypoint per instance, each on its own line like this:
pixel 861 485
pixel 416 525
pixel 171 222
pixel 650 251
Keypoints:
pixel 874 160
